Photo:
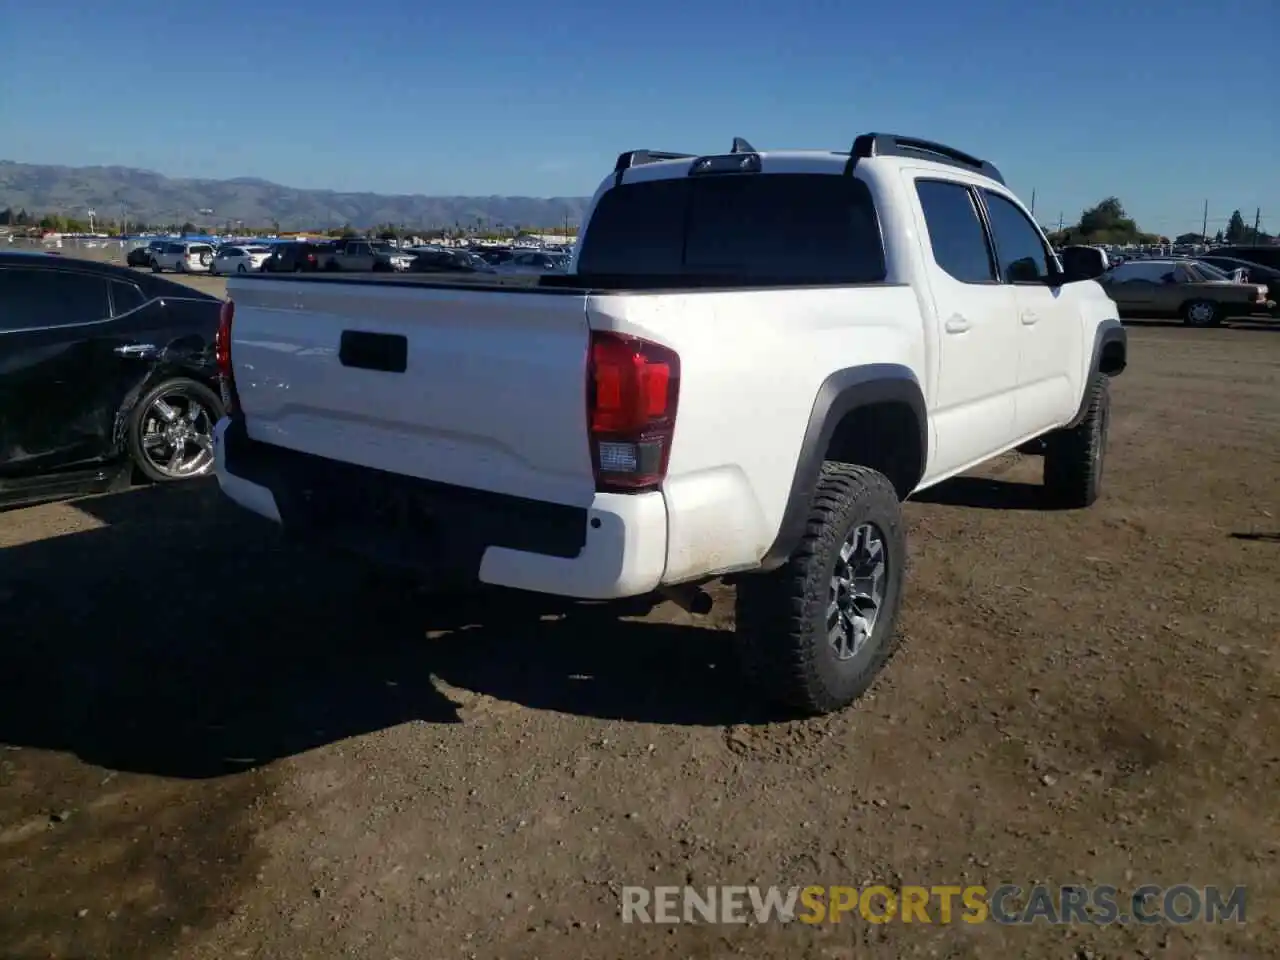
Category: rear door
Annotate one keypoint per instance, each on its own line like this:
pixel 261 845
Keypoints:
pixel 977 315
pixel 1132 285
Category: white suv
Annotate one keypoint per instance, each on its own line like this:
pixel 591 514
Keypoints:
pixel 183 256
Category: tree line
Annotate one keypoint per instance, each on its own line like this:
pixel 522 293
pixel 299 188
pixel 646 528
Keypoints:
pixel 1107 222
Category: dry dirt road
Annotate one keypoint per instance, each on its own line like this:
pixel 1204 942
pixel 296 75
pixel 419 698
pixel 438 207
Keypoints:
pixel 216 747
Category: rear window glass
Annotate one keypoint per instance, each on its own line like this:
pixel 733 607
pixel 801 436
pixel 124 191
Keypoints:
pixel 200 248
pixel 788 228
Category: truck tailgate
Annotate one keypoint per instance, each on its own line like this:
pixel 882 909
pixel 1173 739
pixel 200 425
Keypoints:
pixel 481 388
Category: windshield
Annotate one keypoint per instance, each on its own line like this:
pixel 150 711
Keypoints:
pixel 257 249
pixel 796 228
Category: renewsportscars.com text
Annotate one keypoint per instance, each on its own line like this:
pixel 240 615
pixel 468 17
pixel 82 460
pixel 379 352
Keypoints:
pixel 943 904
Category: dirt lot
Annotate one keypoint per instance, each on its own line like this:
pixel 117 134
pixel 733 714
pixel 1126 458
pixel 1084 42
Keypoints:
pixel 218 747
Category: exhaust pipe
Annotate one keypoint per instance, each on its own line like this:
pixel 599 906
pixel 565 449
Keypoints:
pixel 689 598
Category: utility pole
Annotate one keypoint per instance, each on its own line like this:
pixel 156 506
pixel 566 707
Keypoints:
pixel 1257 222
pixel 1204 224
pixel 1033 201
pixel 1059 222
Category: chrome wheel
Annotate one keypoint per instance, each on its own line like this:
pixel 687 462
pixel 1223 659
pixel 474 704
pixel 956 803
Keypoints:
pixel 857 591
pixel 177 435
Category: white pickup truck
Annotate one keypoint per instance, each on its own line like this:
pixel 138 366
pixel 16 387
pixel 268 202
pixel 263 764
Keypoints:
pixel 753 359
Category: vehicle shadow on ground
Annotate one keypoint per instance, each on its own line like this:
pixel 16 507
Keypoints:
pixel 1257 537
pixel 986 493
pixel 187 638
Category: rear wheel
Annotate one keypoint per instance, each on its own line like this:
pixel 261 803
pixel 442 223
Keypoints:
pixel 155 266
pixel 171 430
pixel 1201 313
pixel 814 633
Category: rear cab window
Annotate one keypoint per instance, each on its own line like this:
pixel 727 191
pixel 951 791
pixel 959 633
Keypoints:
pixel 758 228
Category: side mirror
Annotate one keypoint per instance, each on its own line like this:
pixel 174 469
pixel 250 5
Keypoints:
pixel 1083 263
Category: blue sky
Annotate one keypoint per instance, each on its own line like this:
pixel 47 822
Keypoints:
pixel 1164 105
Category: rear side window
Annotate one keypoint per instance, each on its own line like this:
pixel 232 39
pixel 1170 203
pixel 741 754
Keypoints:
pixel 956 235
pixel 781 228
pixel 125 296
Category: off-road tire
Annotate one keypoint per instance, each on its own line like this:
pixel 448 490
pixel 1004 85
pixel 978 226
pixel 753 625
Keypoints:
pixel 1074 458
pixel 781 615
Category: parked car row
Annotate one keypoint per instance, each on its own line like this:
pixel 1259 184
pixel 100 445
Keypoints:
pixel 347 255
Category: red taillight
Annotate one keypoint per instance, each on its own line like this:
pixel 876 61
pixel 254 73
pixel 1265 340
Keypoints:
pixel 222 354
pixel 632 388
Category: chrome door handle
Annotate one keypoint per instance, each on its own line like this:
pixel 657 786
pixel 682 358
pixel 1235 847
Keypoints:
pixel 957 324
pixel 1029 318
pixel 135 349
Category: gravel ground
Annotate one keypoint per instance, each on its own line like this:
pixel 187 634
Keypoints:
pixel 213 746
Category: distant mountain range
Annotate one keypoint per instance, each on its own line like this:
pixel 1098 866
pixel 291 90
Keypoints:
pixel 141 195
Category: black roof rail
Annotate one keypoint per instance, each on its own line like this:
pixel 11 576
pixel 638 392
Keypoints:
pixel 741 146
pixel 634 158
pixel 892 145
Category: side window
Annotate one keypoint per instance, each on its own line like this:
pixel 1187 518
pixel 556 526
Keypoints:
pixel 50 298
pixel 125 297
pixel 956 235
pixel 1140 271
pixel 1022 255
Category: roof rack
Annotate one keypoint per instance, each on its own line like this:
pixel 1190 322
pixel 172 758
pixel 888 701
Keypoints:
pixel 892 145
pixel 634 158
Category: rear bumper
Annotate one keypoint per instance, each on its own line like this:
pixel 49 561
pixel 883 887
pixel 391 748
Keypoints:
pixel 616 547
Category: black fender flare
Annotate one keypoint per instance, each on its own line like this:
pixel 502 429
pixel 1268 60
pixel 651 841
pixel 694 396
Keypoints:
pixel 1109 331
pixel 841 393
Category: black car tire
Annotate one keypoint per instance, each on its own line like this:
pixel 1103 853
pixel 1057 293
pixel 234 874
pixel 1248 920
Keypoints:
pixel 782 616
pixel 1194 314
pixel 155 265
pixel 198 391
pixel 1074 458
